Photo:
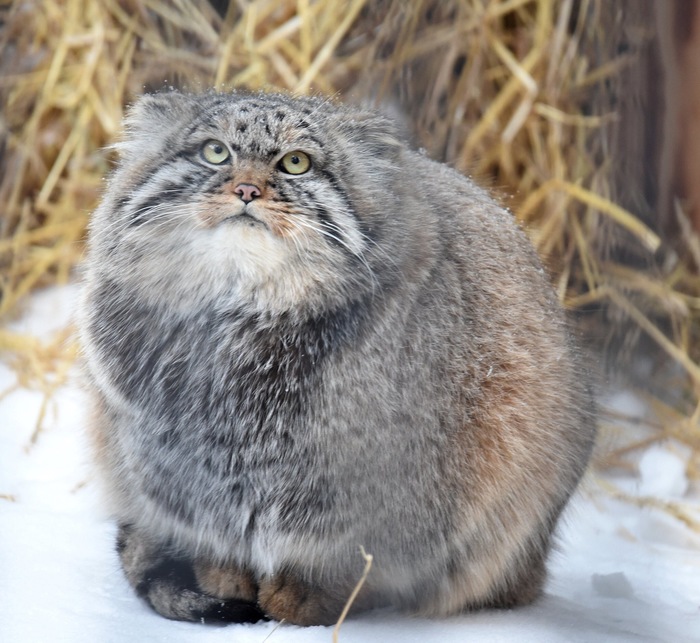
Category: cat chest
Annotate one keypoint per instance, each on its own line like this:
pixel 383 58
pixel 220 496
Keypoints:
pixel 202 369
pixel 221 426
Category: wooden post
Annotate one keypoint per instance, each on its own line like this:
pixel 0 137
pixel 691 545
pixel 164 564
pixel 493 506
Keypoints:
pixel 688 107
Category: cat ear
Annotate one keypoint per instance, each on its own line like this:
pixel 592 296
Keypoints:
pixel 158 111
pixel 371 131
pixel 152 118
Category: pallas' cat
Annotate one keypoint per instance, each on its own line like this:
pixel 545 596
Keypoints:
pixel 303 338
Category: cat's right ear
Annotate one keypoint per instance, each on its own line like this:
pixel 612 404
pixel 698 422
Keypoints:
pixel 152 118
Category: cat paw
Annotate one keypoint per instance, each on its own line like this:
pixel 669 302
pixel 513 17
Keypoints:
pixel 226 582
pixel 284 596
pixel 168 583
pixel 170 587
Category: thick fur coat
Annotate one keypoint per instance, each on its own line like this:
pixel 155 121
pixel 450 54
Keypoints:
pixel 291 360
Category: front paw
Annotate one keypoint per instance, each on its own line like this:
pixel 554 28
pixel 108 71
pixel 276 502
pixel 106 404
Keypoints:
pixel 166 580
pixel 286 596
pixel 226 582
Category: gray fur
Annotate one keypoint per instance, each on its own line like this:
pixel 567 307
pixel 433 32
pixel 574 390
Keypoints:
pixel 374 357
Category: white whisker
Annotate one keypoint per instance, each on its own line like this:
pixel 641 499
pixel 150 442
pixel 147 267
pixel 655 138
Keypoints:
pixel 321 229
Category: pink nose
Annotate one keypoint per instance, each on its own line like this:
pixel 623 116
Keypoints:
pixel 247 192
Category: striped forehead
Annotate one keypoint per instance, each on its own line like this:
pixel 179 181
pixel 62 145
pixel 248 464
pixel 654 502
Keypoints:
pixel 260 129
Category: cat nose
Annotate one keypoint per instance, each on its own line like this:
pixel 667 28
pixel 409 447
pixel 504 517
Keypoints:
pixel 247 192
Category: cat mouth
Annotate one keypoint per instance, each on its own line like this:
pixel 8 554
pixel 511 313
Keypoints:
pixel 218 214
pixel 243 218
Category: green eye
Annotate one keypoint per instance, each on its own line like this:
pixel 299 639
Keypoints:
pixel 296 162
pixel 215 152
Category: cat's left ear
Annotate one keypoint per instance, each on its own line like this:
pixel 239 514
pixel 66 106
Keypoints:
pixel 373 132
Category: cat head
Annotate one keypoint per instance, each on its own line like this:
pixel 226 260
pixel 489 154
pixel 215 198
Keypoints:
pixel 268 197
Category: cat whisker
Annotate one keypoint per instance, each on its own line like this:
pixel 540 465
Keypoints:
pixel 161 210
pixel 300 224
pixel 379 251
pixel 320 229
pixel 161 215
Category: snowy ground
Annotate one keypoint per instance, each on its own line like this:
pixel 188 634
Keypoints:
pixel 621 573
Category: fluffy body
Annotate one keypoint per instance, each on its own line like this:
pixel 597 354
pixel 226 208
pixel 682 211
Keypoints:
pixel 367 354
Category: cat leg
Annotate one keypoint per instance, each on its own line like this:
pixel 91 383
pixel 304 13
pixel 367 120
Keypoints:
pixel 525 587
pixel 486 581
pixel 167 581
pixel 286 596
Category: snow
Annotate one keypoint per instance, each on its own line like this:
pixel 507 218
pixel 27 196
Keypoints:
pixel 612 585
pixel 663 472
pixel 620 573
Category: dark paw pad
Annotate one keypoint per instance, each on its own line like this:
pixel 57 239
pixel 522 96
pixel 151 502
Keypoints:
pixel 171 589
pixel 231 611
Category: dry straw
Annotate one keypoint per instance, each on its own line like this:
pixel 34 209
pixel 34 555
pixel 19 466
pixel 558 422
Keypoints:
pixel 519 93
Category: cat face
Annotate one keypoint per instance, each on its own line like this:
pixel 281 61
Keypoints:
pixel 248 193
